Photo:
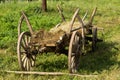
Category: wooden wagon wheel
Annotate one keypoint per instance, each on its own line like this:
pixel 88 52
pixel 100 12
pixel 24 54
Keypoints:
pixel 26 58
pixel 94 38
pixel 75 46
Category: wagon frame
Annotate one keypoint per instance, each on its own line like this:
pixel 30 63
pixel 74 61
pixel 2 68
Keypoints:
pixel 73 39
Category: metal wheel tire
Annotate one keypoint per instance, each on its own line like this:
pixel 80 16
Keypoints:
pixel 74 52
pixel 94 38
pixel 25 58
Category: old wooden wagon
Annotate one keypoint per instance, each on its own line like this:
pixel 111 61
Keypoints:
pixel 69 38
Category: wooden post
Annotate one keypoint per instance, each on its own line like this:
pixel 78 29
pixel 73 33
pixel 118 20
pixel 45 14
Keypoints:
pixel 73 19
pixel 44 5
pixel 83 31
pixel 19 25
pixel 60 11
pixel 92 16
pixel 28 22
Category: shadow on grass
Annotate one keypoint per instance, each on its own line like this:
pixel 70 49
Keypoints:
pixel 52 63
pixel 102 59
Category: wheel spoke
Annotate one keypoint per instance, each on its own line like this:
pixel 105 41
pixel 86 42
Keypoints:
pixel 23 58
pixel 78 49
pixel 73 63
pixel 24 63
pixel 33 60
pixel 33 57
pixel 30 61
pixel 23 46
pixel 33 63
pixel 24 41
pixel 28 39
pixel 22 51
pixel 28 65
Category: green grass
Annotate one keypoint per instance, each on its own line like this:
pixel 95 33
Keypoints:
pixel 104 62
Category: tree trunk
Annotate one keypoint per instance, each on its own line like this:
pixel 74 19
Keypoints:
pixel 29 0
pixel 44 5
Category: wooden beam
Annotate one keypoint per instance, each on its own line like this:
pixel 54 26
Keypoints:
pixel 19 25
pixel 49 73
pixel 73 19
pixel 60 12
pixel 28 23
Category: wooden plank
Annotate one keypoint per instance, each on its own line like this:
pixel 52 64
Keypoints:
pixel 49 73
pixel 48 45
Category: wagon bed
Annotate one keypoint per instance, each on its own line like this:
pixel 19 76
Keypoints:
pixel 43 37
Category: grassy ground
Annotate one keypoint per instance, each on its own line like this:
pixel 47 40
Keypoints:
pixel 104 62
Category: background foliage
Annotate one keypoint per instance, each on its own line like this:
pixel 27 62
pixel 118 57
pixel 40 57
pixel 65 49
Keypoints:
pixel 105 61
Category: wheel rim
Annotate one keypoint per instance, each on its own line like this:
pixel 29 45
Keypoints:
pixel 74 52
pixel 25 57
pixel 94 38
